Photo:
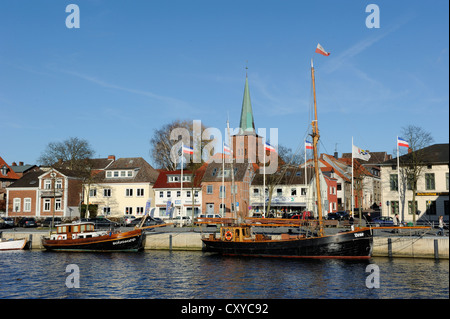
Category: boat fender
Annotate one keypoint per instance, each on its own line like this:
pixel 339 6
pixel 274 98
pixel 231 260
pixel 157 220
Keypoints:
pixel 228 235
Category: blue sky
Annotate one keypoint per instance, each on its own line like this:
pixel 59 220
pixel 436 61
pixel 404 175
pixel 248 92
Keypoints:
pixel 133 66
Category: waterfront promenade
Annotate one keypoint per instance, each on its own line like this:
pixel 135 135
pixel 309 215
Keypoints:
pixel 405 243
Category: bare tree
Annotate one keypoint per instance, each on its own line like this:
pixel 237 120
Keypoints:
pixel 162 142
pixel 414 163
pixel 73 153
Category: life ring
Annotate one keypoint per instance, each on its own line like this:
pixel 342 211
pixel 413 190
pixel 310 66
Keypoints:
pixel 228 235
pixel 59 237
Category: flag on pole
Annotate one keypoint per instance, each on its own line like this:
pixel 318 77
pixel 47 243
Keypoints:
pixel 269 147
pixel 226 149
pixel 360 153
pixel 402 142
pixel 308 145
pixel 187 150
pixel 321 50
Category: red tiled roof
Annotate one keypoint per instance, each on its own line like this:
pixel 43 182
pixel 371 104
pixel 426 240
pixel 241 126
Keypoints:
pixel 162 180
pixel 10 173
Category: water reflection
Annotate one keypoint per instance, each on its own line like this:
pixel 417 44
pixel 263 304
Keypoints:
pixel 163 274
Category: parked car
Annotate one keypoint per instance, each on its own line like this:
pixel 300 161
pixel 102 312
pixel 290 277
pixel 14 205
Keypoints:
pixel 150 221
pixel 27 222
pixel 128 220
pixel 101 222
pixel 6 222
pixel 181 221
pixel 48 220
pixel 382 221
pixel 338 216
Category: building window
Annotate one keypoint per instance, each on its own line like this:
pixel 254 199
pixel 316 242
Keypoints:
pixel 293 191
pixel 140 192
pixel 106 210
pixel 129 192
pixel 47 205
pixel 195 193
pixel 172 179
pixel 429 181
pixel 339 186
pixel 446 181
pixel 169 194
pixel 393 181
pixel 446 207
pixel 222 192
pixel 48 184
pixel 188 193
pixel 255 191
pixel 116 173
pixel 209 189
pixel 394 207
pixel 139 210
pixel 109 174
pixel 303 191
pixel 16 204
pixel 27 205
pixel 178 193
pixel 161 194
pixel 128 210
pixel 107 192
pixel 92 192
pixel 58 184
pixel 58 204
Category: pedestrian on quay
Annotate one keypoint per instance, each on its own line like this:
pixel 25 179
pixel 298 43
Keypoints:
pixel 441 226
pixel 351 221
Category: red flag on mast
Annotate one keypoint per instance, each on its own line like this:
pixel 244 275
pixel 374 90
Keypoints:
pixel 321 50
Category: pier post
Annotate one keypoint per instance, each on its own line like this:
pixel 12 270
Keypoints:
pixel 436 249
pixel 389 247
pixel 170 242
pixel 30 241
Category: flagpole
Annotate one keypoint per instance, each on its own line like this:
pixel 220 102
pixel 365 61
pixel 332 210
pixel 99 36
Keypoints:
pixel 353 199
pixel 223 176
pixel 398 178
pixel 264 181
pixel 306 177
pixel 181 189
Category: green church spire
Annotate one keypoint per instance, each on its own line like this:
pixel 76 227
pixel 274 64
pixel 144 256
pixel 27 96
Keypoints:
pixel 247 124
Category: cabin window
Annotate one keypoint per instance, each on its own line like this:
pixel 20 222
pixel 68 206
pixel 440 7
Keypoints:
pixel 83 228
pixel 237 234
pixel 76 229
pixel 62 229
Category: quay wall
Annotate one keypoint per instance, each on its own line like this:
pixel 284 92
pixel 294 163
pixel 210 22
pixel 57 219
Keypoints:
pixel 383 246
pixel 410 246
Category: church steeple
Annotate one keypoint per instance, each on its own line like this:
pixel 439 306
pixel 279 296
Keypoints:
pixel 247 124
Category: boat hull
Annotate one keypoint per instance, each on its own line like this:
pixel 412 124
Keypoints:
pixel 127 241
pixel 17 244
pixel 347 245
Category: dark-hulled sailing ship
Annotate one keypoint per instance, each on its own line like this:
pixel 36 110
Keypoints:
pixel 239 239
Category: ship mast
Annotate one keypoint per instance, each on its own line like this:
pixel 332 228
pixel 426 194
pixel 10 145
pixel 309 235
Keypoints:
pixel 315 135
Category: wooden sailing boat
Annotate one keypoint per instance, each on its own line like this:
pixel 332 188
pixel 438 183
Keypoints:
pixel 239 240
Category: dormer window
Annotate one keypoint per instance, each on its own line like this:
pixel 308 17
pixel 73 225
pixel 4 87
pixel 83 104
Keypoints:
pixel 4 170
pixel 119 174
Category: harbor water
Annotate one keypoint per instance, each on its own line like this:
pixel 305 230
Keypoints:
pixel 195 274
